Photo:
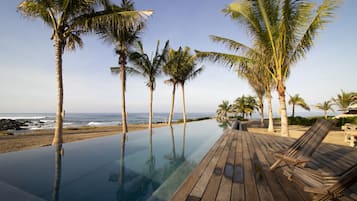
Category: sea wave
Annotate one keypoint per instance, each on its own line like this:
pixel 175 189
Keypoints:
pixel 24 118
pixel 94 123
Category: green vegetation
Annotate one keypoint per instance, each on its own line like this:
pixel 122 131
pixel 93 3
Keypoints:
pixel 149 68
pixel 180 66
pixel 297 100
pixel 123 36
pixel 68 20
pixel 282 33
pixel 325 106
pixel 345 99
pixel 223 109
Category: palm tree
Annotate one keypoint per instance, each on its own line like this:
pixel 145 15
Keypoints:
pixel 344 100
pixel 180 66
pixel 297 100
pixel 325 106
pixel 251 61
pixel 68 20
pixel 124 37
pixel 245 105
pixel 188 71
pixel 149 68
pixel 171 69
pixel 286 29
pixel 256 79
pixel 223 109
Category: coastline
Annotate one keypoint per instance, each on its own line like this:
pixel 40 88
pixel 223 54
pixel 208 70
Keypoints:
pixel 39 138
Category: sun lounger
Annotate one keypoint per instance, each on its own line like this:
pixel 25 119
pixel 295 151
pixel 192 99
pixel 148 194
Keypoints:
pixel 322 186
pixel 300 152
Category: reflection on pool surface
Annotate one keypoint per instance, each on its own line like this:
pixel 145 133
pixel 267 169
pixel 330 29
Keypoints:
pixel 141 165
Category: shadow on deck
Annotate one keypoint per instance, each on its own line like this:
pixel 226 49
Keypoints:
pixel 237 168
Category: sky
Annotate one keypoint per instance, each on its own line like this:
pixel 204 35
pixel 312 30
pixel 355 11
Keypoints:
pixel 27 68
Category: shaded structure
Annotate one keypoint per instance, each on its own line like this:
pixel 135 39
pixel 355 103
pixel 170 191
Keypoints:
pixel 237 168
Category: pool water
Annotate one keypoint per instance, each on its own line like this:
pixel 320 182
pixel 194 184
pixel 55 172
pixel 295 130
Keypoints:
pixel 140 165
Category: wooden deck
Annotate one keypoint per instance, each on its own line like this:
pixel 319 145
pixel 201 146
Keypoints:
pixel 237 168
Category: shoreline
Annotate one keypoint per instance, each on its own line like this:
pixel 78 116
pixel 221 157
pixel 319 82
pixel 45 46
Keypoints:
pixel 39 138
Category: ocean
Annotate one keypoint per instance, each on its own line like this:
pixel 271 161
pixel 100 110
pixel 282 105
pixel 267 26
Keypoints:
pixel 47 120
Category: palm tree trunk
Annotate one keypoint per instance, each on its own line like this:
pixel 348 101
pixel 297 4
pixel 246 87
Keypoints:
pixel 58 139
pixel 284 118
pixel 173 143
pixel 183 141
pixel 325 114
pixel 183 102
pixel 122 163
pixel 58 171
pixel 261 115
pixel 172 104
pixel 123 88
pixel 150 110
pixel 293 113
pixel 270 112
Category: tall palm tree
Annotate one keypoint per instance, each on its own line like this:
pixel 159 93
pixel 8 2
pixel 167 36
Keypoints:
pixel 325 106
pixel 223 109
pixel 188 71
pixel 297 100
pixel 149 68
pixel 124 37
pixel 68 20
pixel 344 100
pixel 285 28
pixel 171 69
pixel 180 67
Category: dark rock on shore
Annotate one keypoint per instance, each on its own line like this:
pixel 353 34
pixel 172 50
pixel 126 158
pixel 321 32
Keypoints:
pixel 9 124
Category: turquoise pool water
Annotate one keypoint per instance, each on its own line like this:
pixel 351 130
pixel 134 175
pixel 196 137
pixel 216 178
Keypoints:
pixel 138 166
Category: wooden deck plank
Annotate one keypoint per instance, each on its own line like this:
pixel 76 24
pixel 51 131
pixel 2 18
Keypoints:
pixel 215 180
pixel 272 181
pixel 224 192
pixel 260 179
pixel 200 187
pixel 291 190
pixel 237 168
pixel 251 191
pixel 191 180
pixel 237 193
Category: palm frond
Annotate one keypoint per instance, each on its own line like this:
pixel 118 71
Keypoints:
pixel 229 60
pixel 323 16
pixel 230 44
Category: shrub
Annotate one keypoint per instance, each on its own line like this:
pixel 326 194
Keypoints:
pixel 342 121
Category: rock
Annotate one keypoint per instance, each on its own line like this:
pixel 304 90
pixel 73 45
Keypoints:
pixel 9 124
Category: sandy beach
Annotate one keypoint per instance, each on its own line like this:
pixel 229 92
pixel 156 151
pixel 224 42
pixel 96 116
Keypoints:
pixel 295 131
pixel 39 138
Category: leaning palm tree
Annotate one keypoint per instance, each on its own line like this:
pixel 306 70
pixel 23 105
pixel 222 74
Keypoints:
pixel 297 100
pixel 325 106
pixel 149 68
pixel 188 71
pixel 124 37
pixel 68 20
pixel 285 28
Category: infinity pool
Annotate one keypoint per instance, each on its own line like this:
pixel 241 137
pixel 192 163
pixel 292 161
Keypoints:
pixel 138 166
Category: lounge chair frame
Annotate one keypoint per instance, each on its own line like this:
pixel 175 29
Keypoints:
pixel 300 152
